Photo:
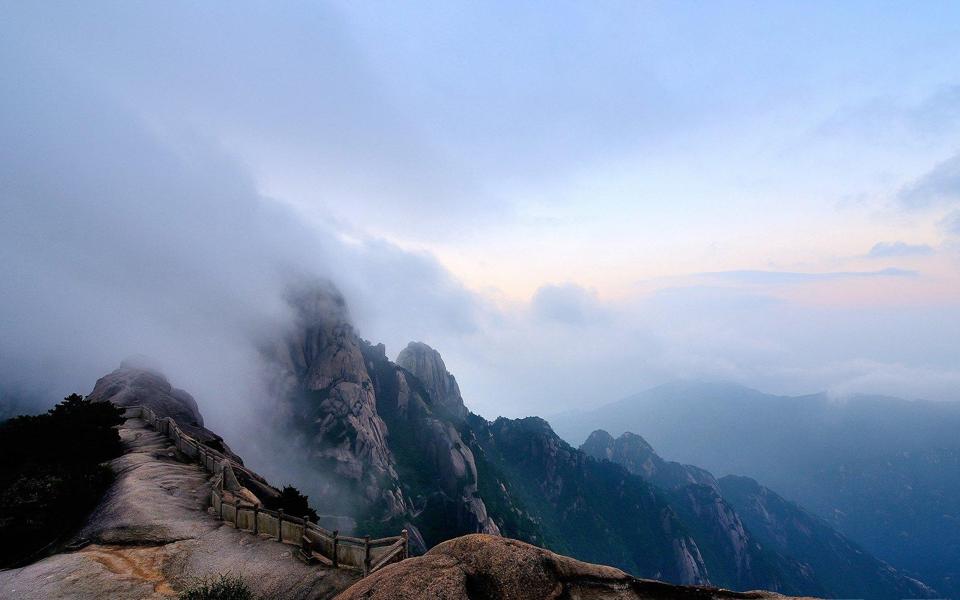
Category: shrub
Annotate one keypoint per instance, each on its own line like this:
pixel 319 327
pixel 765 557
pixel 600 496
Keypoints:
pixel 221 587
pixel 293 502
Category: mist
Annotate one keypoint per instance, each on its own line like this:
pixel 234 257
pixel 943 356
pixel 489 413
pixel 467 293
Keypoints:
pixel 120 239
pixel 166 173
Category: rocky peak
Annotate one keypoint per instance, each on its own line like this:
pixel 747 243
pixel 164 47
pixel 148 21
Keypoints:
pixel 137 382
pixel 321 376
pixel 637 456
pixel 427 365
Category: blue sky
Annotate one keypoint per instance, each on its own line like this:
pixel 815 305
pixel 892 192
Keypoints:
pixel 759 191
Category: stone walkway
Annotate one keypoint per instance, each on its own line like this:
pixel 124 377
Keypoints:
pixel 151 536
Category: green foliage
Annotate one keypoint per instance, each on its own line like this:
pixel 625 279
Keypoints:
pixel 594 511
pixel 51 473
pixel 221 587
pixel 292 502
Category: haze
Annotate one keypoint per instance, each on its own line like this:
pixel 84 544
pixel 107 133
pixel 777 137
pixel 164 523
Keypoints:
pixel 571 204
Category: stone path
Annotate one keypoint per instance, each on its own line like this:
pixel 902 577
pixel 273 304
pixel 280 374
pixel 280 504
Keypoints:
pixel 151 536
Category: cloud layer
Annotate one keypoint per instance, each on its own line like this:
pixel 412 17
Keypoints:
pixel 167 170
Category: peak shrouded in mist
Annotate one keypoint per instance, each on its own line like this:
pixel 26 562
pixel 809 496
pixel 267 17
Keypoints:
pixel 119 239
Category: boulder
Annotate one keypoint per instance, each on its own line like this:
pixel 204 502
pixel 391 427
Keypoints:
pixel 484 566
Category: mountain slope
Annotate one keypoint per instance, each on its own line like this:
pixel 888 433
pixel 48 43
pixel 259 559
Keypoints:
pixel 843 567
pixel 885 472
pixel 592 510
pixel 741 525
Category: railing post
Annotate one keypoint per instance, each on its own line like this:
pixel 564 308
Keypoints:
pixel 280 525
pixel 256 524
pixel 406 543
pixel 220 496
pixel 336 543
pixel 304 542
pixel 366 555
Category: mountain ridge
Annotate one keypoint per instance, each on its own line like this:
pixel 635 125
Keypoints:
pixel 881 470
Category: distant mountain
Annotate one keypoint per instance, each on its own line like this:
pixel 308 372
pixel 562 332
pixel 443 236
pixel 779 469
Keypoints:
pixel 883 471
pixel 750 525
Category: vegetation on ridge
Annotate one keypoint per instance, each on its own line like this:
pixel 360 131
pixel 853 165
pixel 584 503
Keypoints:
pixel 52 473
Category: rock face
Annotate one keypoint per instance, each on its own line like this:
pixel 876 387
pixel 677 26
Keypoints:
pixel 427 443
pixel 483 566
pixel 151 536
pixel 320 376
pixel 427 365
pixel 387 445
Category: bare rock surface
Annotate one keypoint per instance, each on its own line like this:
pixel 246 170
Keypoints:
pixel 427 364
pixel 484 566
pixel 136 383
pixel 319 368
pixel 152 535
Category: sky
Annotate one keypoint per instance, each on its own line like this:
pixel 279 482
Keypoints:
pixel 571 201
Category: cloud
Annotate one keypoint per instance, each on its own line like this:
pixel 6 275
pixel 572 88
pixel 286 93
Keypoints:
pixel 940 185
pixel 898 249
pixel 121 237
pixel 135 218
pixel 788 277
pixel 951 223
pixel 935 115
pixel 567 303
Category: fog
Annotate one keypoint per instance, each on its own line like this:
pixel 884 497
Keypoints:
pixel 144 212
pixel 120 239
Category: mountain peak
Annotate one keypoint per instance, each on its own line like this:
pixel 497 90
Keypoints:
pixel 428 366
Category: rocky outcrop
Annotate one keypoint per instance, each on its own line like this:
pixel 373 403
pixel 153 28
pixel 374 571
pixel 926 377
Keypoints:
pixel 483 566
pixel 427 365
pixel 137 383
pixel 639 457
pixel 426 440
pixel 321 382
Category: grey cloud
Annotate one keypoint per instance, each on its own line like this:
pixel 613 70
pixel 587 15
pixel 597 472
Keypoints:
pixel 898 249
pixel 940 185
pixel 286 87
pixel 788 277
pixel 120 238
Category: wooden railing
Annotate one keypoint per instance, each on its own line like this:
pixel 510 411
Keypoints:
pixel 316 543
